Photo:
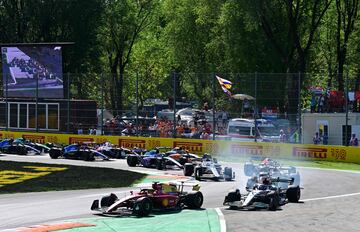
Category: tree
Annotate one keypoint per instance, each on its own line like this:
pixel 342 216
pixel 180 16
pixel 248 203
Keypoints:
pixel 303 20
pixel 347 11
pixel 124 20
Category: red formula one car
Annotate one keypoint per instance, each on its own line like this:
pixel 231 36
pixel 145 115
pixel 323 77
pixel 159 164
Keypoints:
pixel 160 197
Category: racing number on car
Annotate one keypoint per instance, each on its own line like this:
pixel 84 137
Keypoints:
pixel 338 154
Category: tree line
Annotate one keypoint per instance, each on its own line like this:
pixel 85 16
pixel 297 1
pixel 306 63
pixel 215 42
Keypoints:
pixel 118 41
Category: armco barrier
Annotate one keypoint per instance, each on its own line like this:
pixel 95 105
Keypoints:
pixel 275 150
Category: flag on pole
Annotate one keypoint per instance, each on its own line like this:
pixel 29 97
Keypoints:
pixel 225 85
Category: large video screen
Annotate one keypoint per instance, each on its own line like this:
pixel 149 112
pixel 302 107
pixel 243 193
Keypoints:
pixel 32 70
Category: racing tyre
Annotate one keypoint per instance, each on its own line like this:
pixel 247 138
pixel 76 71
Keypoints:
pixel 197 173
pixel 89 156
pixel 132 160
pixel 248 169
pixel 160 165
pixel 293 194
pixel 108 200
pixel 228 173
pixel 55 153
pixel 194 200
pixel 188 169
pixel 22 150
pixel 274 203
pixel 142 207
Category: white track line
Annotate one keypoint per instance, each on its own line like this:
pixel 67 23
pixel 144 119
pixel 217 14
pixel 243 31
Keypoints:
pixel 331 197
pixel 221 219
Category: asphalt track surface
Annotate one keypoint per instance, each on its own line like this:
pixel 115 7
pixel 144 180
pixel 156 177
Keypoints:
pixel 330 201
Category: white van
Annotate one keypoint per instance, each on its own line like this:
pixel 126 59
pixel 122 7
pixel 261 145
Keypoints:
pixel 242 129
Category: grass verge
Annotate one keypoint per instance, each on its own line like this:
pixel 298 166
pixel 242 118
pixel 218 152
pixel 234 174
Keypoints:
pixel 18 177
pixel 301 163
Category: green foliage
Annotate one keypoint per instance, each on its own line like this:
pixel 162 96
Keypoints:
pixel 119 40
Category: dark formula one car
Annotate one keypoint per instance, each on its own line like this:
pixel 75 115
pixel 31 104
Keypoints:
pixel 42 148
pixel 19 147
pixel 113 151
pixel 77 151
pixel 160 197
pixel 208 167
pixel 158 159
pixel 264 195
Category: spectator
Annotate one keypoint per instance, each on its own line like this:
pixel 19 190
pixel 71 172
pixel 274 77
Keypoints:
pixel 282 136
pixel 353 140
pixel 317 138
pixel 321 104
pixel 313 103
pixel 206 106
pixel 325 139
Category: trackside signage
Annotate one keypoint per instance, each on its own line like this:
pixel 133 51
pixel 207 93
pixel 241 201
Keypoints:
pixel 131 143
pixel 314 153
pixel 191 146
pixel 80 139
pixel 34 138
pixel 247 149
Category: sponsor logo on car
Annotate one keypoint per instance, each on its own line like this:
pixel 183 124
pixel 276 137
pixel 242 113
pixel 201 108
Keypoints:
pixel 317 153
pixel 80 140
pixel 247 149
pixel 131 143
pixel 34 138
pixel 191 146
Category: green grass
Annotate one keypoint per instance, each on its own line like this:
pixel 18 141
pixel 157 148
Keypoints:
pixel 301 163
pixel 74 177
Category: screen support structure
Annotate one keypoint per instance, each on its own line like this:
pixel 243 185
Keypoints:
pixel 6 104
pixel 36 107
pixel 68 104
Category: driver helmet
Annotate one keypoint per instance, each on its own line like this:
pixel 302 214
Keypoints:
pixel 264 178
pixel 206 157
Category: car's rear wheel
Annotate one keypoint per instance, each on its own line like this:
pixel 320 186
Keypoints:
pixel 194 200
pixel 132 160
pixel 228 173
pixel 142 207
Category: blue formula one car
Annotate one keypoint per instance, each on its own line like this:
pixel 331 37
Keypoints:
pixel 153 159
pixel 78 152
pixel 19 147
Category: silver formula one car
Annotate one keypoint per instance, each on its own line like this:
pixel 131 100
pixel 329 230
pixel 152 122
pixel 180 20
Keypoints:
pixel 208 167
pixel 265 195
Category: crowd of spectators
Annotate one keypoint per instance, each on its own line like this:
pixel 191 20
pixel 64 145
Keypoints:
pixel 161 127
